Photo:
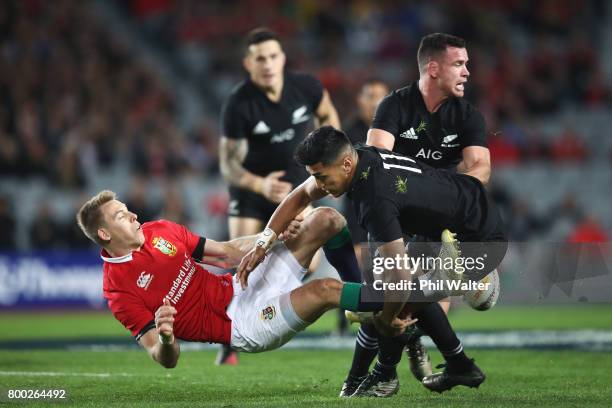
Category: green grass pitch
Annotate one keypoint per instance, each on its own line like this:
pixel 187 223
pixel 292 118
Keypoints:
pixel 304 378
pixel 289 378
pixel 72 325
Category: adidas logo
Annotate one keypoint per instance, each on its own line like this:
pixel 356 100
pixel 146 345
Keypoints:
pixel 299 115
pixel 409 134
pixel 261 128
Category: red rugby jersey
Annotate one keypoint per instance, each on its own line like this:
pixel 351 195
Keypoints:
pixel 136 284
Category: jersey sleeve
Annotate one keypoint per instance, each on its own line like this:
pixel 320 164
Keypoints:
pixel 473 130
pixel 193 243
pixel 382 222
pixel 388 116
pixel 312 89
pixel 131 312
pixel 233 122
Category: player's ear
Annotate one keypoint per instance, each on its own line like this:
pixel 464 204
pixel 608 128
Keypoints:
pixel 103 234
pixel 347 164
pixel 432 68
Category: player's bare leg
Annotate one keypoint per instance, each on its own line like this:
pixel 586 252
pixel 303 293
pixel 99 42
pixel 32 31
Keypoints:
pixel 325 227
pixel 315 298
pixel 315 260
pixel 319 227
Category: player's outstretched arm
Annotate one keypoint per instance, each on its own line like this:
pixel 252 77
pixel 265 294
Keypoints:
pixel 380 138
pixel 326 113
pixel 160 342
pixel 476 163
pixel 229 253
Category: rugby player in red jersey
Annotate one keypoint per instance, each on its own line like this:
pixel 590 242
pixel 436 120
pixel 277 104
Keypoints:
pixel 157 288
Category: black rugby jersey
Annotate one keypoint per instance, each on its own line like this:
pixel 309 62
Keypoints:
pixel 273 129
pixel 394 195
pixel 435 138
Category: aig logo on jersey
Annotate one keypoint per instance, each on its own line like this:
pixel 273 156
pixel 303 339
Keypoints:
pixel 429 154
pixel 268 313
pixel 165 247
pixel 144 280
pixel 284 136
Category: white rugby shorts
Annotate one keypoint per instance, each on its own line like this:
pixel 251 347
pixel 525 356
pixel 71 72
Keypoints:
pixel 262 315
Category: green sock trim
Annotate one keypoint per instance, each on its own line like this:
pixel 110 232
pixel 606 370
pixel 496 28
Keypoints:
pixel 339 239
pixel 349 298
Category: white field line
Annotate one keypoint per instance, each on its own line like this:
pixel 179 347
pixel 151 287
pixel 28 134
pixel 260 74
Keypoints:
pixel 574 339
pixel 60 374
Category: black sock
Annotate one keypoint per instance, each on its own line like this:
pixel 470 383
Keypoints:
pixel 389 354
pixel 412 335
pixel 386 371
pixel 457 361
pixel 340 254
pixel 433 321
pixel 366 348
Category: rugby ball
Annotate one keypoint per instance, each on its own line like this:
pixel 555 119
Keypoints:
pixel 484 299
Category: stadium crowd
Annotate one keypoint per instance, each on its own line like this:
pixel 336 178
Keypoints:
pixel 77 101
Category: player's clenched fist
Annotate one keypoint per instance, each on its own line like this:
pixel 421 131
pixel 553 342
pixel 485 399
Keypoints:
pixel 164 321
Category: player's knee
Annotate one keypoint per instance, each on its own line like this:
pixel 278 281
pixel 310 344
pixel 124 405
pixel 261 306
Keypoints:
pixel 328 291
pixel 327 221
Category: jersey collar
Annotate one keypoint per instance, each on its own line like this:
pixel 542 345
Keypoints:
pixel 362 164
pixel 263 93
pixel 419 100
pixel 120 259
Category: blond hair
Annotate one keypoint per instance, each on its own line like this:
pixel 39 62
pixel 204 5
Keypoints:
pixel 90 218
